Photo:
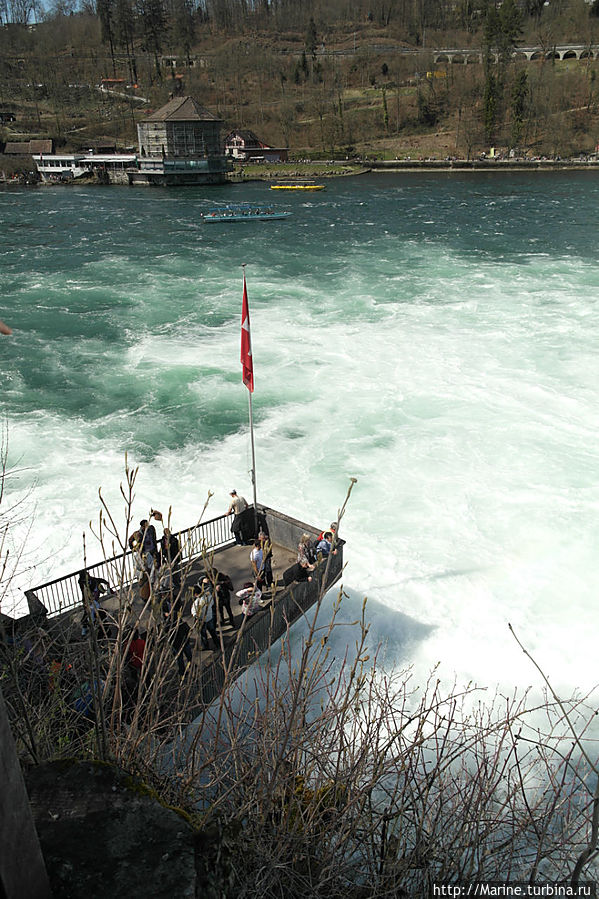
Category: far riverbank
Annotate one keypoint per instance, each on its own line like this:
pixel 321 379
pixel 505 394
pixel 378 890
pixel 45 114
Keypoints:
pixel 336 169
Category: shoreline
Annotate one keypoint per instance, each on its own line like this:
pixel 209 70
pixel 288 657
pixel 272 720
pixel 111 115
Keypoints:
pixel 414 165
pixel 344 169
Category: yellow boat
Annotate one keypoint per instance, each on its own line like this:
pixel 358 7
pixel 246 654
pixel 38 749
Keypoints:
pixel 297 186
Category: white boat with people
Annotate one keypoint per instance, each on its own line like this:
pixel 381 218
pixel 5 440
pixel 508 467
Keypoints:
pixel 244 212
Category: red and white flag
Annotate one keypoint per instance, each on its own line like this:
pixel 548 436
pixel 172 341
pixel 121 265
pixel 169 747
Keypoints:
pixel 246 343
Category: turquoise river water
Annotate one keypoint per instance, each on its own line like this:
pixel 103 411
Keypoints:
pixel 435 336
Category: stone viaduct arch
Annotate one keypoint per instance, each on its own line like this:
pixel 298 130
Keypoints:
pixel 531 54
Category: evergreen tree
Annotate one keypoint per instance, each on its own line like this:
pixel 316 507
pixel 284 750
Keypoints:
pixel 520 93
pixel 490 103
pixel 501 31
pixel 311 38
pixel 510 29
pixel 385 110
pixel 304 65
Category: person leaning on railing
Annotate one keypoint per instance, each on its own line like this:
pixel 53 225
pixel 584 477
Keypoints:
pixel 91 589
pixel 237 507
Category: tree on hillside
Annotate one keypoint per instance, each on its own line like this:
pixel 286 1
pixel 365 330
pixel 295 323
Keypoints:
pixel 106 15
pixel 469 14
pixel 62 7
pixel 520 95
pixel 429 103
pixel 502 28
pixel 534 8
pixel 16 12
pixel 153 16
pixel 501 31
pixel 311 38
pixel 124 33
pixel 224 15
pixel 183 25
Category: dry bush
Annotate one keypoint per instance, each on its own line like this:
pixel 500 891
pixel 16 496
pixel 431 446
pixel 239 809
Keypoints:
pixel 330 776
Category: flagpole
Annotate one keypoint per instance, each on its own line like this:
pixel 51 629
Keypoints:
pixel 251 418
pixel 253 463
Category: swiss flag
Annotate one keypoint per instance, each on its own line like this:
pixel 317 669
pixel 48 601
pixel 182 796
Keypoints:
pixel 246 343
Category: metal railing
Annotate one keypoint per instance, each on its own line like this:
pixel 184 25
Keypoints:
pixel 63 593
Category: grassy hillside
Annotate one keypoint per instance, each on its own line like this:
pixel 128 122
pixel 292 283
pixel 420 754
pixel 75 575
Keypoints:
pixel 334 90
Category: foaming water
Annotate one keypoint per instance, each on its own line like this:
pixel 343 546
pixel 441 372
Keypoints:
pixel 433 336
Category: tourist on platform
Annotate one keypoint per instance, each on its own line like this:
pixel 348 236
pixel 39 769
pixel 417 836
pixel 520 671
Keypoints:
pixel 267 575
pixel 149 541
pixel 166 556
pixel 224 588
pixel 332 529
pixel 145 578
pixel 132 672
pixel 257 558
pixel 261 560
pixel 304 558
pixel 170 554
pixel 204 612
pixel 135 653
pixel 179 638
pixel 91 613
pixel 91 589
pixel 250 596
pixel 165 587
pixel 81 698
pixel 237 508
pixel 325 546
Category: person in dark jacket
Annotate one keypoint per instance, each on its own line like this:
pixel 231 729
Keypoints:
pixel 91 589
pixel 148 539
pixel 93 585
pixel 224 588
pixel 170 556
pixel 180 643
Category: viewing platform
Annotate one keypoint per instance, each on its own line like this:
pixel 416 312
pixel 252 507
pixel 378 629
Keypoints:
pixel 58 604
